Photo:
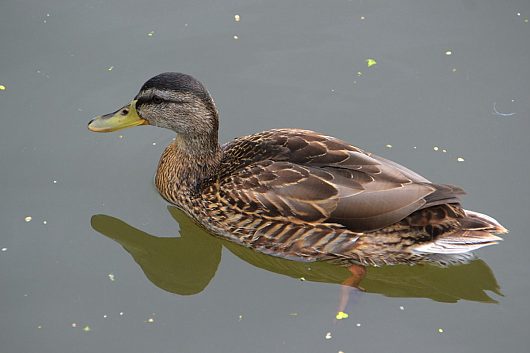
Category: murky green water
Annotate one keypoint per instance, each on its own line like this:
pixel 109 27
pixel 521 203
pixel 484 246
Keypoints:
pixel 103 265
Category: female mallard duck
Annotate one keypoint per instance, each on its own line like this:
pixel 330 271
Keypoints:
pixel 296 193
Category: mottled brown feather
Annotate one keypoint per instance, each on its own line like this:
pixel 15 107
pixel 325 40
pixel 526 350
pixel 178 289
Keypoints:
pixel 305 196
pixel 325 179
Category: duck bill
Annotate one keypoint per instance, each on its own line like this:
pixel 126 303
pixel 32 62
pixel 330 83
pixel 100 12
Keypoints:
pixel 124 117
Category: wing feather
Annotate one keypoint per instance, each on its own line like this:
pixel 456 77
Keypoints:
pixel 307 177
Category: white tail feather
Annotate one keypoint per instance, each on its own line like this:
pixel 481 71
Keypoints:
pixel 498 227
pixel 439 247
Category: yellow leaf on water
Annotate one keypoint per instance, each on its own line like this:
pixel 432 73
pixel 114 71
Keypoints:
pixel 341 315
pixel 370 62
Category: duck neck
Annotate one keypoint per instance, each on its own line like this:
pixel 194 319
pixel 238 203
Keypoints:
pixel 186 164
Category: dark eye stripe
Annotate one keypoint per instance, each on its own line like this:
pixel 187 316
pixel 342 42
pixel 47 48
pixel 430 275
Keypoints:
pixel 152 99
pixel 158 100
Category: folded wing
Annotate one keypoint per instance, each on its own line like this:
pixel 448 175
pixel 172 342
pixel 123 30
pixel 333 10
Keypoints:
pixel 307 177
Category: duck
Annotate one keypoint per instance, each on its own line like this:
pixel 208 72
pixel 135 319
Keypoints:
pixel 299 194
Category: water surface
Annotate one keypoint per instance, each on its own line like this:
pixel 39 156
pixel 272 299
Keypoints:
pixel 104 266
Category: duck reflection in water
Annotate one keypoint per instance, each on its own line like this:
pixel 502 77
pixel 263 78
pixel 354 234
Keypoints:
pixel 186 264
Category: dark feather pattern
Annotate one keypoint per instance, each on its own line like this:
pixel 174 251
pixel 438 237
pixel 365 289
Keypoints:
pixel 319 178
pixel 306 196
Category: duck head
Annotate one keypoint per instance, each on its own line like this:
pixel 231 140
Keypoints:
pixel 170 100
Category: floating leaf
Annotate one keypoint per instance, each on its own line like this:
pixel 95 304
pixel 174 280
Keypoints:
pixel 341 315
pixel 370 62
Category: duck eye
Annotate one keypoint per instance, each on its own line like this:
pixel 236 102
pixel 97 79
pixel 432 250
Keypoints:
pixel 157 100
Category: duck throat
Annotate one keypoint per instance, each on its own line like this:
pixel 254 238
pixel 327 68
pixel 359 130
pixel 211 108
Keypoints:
pixel 186 165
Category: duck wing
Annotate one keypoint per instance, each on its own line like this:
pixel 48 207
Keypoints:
pixel 304 176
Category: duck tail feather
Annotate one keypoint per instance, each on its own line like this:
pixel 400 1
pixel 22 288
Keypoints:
pixel 459 242
pixel 476 231
pixel 478 221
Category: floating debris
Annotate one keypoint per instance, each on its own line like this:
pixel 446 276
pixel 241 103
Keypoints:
pixel 302 279
pixel 402 308
pixel 44 222
pixel 388 146
pixel 496 112
pixel 444 151
pixel 371 62
pixel 120 136
pixel 3 249
pixel 359 73
pixel 293 314
pixel 28 219
pixel 435 148
pixel 121 313
pixel 105 316
pixel 358 324
pixel 240 317
pixel 237 18
pixel 150 320
pixel 328 336
pixel 2 88
pixel 110 68
pixel 154 143
pixel 236 37
pixel 460 159
pixel 40 326
pixel 87 328
pixel 453 69
pixel 55 181
pixel 362 17
pixel 341 315
pixel 441 330
pixel 111 277
pixel 448 53
pixel 74 324
pixel 150 34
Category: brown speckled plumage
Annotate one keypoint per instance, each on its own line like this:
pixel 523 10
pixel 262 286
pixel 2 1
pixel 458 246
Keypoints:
pixel 303 195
